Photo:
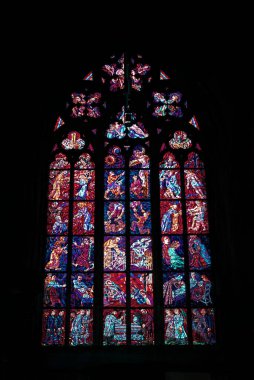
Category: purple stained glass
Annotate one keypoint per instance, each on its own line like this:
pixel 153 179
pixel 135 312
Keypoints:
pixel 82 289
pixel 139 160
pixel 172 252
pixel 114 218
pixel 114 253
pixel 140 218
pixel 114 327
pixel 82 253
pixel 141 253
pixel 176 326
pixel 81 327
pixel 195 186
pixel 200 289
pixel 114 289
pixel 139 184
pixel 197 218
pixel 170 184
pixel 58 215
pixel 142 326
pixel 141 289
pixel 84 184
pixel 56 253
pixel 114 184
pixel 203 326
pixel 174 290
pixel 59 185
pixel 54 290
pixel 171 217
pixel 199 252
pixel 53 327
pixel 114 158
pixel 83 218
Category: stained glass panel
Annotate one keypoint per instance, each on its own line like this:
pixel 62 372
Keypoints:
pixel 114 159
pixel 200 289
pixel 114 184
pixel 114 327
pixel 56 253
pixel 172 252
pixel 83 218
pixel 114 218
pixel 193 161
pixel 141 253
pixel 142 326
pixel 82 253
pixel 59 184
pixel 84 184
pixel 58 216
pixel 82 290
pixel 114 253
pixel 139 184
pixel 171 217
pixel 176 326
pixel 81 327
pixel 139 159
pixel 140 217
pixel 169 161
pixel 174 290
pixel 53 331
pixel 170 184
pixel 55 290
pixel 141 289
pixel 199 252
pixel 197 220
pixel 195 186
pixel 203 326
pixel 114 289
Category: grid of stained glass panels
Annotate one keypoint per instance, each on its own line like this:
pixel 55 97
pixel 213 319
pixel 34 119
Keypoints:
pixel 187 286
pixel 128 278
pixel 68 293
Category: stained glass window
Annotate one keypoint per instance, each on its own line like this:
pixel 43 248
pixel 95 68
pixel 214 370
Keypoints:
pixel 127 257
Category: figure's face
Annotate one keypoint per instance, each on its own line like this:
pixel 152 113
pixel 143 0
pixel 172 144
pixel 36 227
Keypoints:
pixel 79 278
pixel 53 277
pixel 166 240
pixel 82 312
pixel 53 312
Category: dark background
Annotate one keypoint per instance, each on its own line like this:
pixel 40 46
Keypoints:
pixel 43 59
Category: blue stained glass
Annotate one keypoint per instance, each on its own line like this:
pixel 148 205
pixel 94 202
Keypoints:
pixel 54 290
pixel 172 252
pixel 82 253
pixel 82 289
pixel 139 184
pixel 200 288
pixel 199 252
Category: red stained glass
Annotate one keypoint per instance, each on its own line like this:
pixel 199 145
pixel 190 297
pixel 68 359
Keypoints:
pixel 169 161
pixel 58 216
pixel 195 186
pixel 197 220
pixel 141 289
pixel 203 326
pixel 193 161
pixel 59 184
pixel 141 253
pixel 114 289
pixel 171 217
pixel 54 290
pixel 139 184
pixel 84 162
pixel 83 218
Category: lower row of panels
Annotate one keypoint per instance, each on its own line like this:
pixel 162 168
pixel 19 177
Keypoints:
pixel 142 327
